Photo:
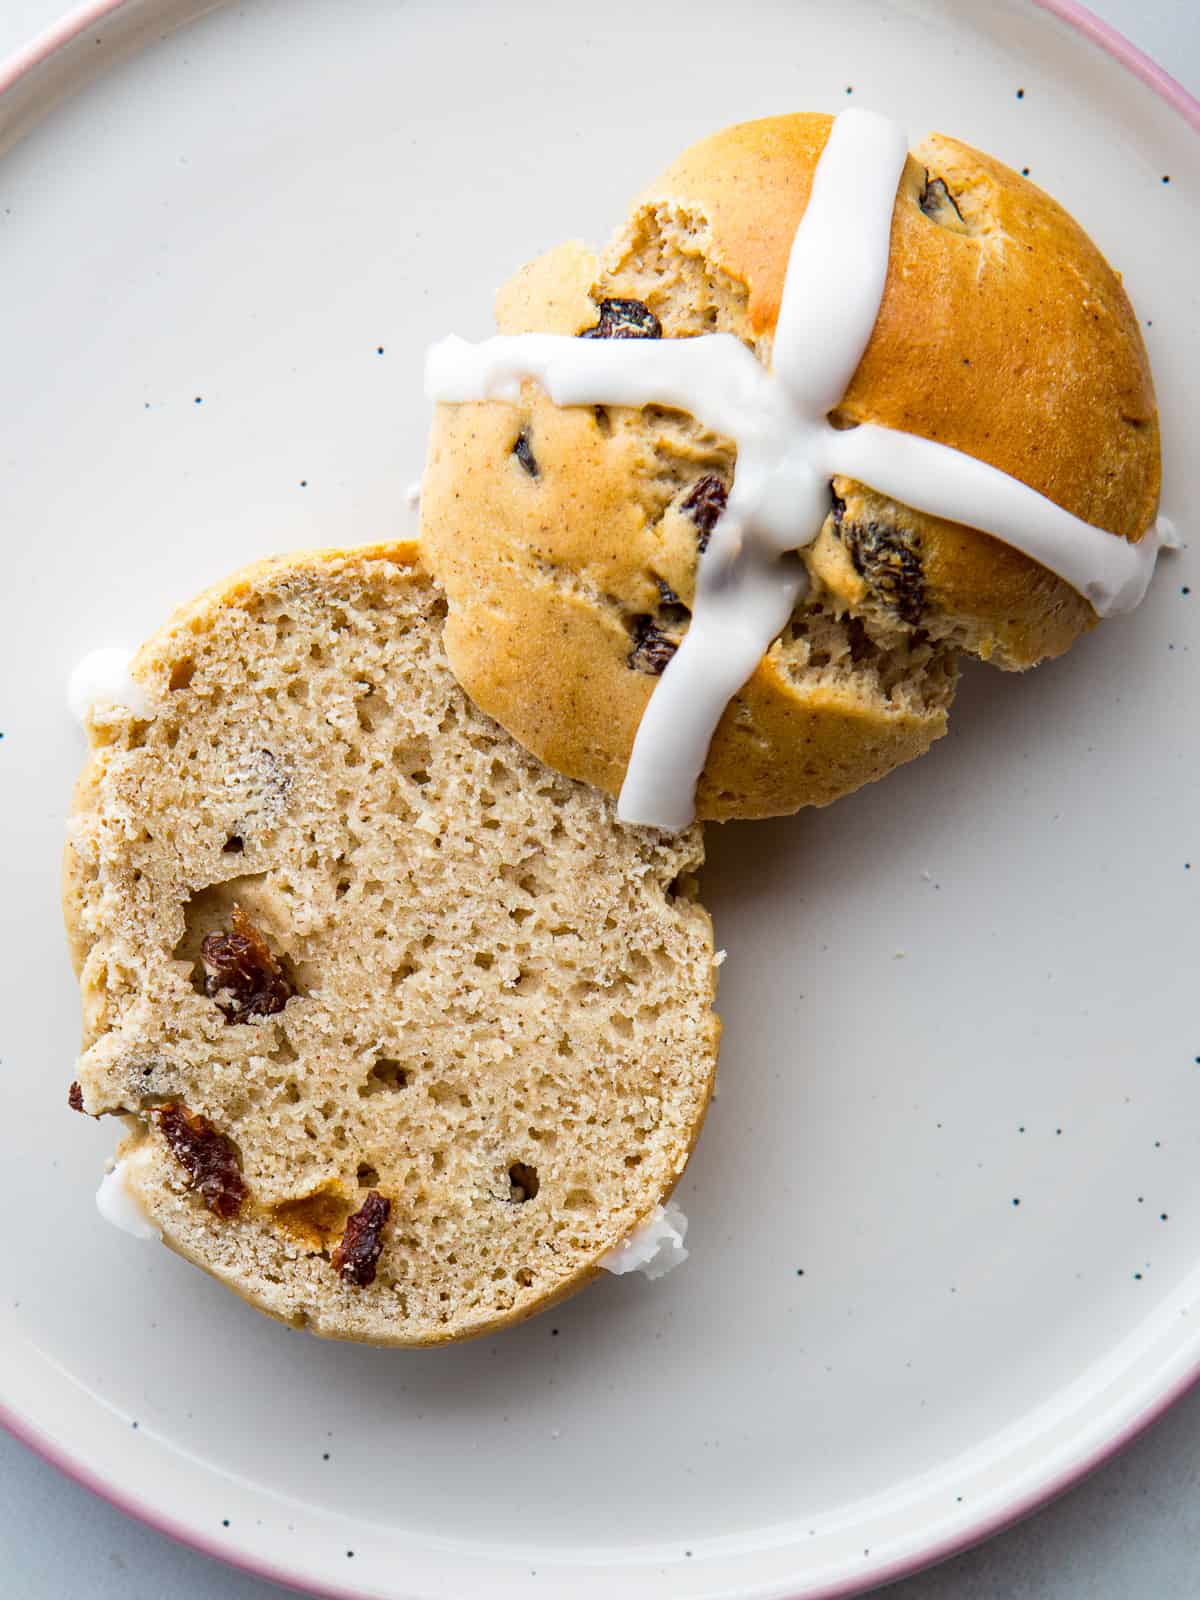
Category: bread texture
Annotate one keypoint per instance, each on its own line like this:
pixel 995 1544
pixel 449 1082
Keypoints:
pixel 1002 332
pixel 476 1041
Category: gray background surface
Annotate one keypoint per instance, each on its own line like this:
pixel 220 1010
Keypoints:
pixel 1130 1532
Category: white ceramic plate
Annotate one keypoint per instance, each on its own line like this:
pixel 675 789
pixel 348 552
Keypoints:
pixel 946 1213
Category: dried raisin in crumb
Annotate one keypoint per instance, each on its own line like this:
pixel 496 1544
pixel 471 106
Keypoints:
pixel 357 1256
pixel 75 1097
pixel 704 504
pixel 938 203
pixel 624 319
pixel 524 454
pixel 208 1157
pixel 887 558
pixel 241 974
pixel 652 648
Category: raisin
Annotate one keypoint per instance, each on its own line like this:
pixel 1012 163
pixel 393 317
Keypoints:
pixel 704 504
pixel 652 648
pixel 938 203
pixel 208 1157
pixel 887 558
pixel 624 319
pixel 75 1097
pixel 524 454
pixel 357 1256
pixel 241 974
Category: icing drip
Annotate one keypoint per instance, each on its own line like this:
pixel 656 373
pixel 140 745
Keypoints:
pixel 117 1203
pixel 654 1248
pixel 749 580
pixel 103 679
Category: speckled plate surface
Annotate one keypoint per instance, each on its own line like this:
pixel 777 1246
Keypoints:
pixel 946 1213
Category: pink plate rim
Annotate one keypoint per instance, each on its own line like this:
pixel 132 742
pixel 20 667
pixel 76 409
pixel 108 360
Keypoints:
pixel 39 49
pixel 59 34
pixel 1127 53
pixel 42 1445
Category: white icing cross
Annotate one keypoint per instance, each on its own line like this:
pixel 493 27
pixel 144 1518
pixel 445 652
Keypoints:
pixel 748 582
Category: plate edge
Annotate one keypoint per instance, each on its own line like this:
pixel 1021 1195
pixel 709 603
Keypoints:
pixel 59 37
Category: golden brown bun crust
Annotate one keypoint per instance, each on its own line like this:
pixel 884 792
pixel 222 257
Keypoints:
pixel 1002 333
pixel 1012 341
pixel 536 640
pixel 546 574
